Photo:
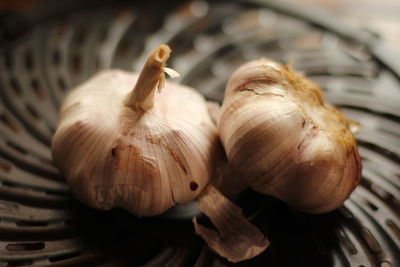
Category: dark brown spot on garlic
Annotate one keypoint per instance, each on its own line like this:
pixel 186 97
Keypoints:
pixel 114 151
pixel 193 186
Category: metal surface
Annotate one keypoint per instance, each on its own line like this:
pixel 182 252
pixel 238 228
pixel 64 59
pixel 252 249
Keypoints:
pixel 41 224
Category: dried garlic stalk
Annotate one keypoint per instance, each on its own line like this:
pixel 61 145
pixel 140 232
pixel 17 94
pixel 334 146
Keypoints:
pixel 279 133
pixel 135 149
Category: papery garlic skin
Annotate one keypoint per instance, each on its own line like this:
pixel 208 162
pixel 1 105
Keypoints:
pixel 144 160
pixel 235 237
pixel 278 132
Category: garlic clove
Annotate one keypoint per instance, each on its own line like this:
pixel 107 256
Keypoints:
pixel 281 136
pixel 137 150
pixel 236 239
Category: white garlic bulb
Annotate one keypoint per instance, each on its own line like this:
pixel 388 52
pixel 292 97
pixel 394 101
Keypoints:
pixel 278 132
pixel 135 149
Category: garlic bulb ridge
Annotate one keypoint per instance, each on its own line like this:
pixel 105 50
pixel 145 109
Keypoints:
pixel 136 149
pixel 280 134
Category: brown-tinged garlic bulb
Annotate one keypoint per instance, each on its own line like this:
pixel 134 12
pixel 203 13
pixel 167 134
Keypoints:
pixel 135 149
pixel 281 135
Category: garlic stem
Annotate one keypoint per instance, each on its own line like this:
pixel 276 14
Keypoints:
pixel 151 78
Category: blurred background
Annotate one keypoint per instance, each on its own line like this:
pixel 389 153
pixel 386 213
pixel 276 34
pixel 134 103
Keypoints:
pixel 381 17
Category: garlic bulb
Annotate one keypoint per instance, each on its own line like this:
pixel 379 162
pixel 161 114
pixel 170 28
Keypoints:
pixel 135 149
pixel 278 132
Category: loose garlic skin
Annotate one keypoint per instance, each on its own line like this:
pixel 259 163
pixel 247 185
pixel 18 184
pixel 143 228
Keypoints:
pixel 281 136
pixel 144 153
